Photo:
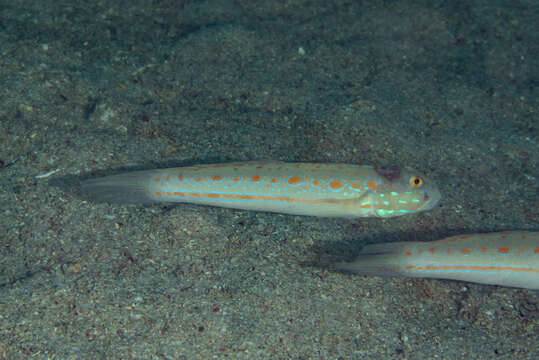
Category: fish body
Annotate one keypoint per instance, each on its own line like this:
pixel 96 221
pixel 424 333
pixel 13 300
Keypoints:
pixel 501 258
pixel 326 190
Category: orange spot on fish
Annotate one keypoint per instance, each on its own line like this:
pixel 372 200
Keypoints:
pixel 354 185
pixel 317 182
pixel 367 206
pixel 536 250
pixel 157 179
pixel 465 251
pixel 259 167
pixel 420 252
pixel 448 250
pixel 168 179
pixel 256 178
pixel 198 179
pixel 217 178
pixel 484 249
pixel 336 184
pixel 504 250
pixel 372 185
pixel 237 178
pixel 432 250
pixel 294 180
pixel 274 180
pixel 408 253
pixel 522 249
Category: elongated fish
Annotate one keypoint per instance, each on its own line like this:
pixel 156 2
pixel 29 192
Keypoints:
pixel 503 258
pixel 326 190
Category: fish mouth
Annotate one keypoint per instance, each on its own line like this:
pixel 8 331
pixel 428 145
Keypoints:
pixel 432 198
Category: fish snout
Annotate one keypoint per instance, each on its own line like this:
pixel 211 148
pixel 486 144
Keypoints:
pixel 431 198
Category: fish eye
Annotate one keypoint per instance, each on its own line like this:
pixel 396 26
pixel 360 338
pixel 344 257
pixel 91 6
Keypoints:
pixel 416 181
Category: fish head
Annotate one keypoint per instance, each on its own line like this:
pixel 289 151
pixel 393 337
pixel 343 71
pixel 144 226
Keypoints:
pixel 402 191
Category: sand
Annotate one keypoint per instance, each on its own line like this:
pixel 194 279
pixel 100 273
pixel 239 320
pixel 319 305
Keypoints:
pixel 92 88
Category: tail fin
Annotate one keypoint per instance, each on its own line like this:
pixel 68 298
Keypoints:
pixel 128 188
pixel 376 259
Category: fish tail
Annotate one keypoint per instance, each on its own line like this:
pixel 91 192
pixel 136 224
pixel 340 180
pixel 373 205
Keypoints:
pixel 127 188
pixel 377 260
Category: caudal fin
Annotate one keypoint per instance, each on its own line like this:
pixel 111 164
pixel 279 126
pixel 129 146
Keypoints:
pixel 127 188
pixel 376 259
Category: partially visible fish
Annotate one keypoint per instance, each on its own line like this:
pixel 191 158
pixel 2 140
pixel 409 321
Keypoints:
pixel 503 258
pixel 326 190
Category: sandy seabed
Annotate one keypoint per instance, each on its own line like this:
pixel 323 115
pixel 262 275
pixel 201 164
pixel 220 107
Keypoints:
pixel 97 87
